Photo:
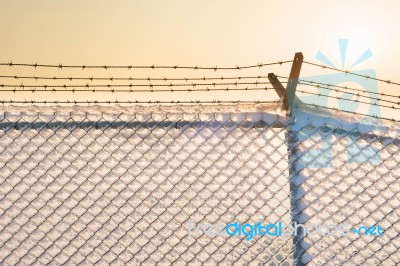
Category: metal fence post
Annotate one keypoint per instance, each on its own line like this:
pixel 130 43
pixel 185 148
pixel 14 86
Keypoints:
pixel 289 101
pixel 292 145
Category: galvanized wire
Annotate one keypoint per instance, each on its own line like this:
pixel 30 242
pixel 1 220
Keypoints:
pixel 251 132
pixel 30 86
pixel 388 81
pixel 215 68
pixel 72 78
pixel 119 187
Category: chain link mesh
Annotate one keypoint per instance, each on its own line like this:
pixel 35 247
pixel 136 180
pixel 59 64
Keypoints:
pixel 346 173
pixel 116 188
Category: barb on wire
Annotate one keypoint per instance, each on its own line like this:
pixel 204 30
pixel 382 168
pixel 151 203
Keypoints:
pixel 352 73
pixel 215 68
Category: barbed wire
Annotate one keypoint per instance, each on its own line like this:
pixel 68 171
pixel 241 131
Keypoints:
pixel 350 112
pixel 351 73
pixel 133 102
pixel 112 135
pixel 130 78
pixel 351 93
pixel 139 90
pixel 61 66
pixel 256 83
pixel 376 103
pixel 330 86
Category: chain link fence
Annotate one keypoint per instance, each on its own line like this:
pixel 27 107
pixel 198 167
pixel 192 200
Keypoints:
pixel 346 173
pixel 144 186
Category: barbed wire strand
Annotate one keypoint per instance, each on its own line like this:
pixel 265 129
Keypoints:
pixel 130 78
pixel 351 73
pixel 61 66
pixel 350 112
pixel 139 90
pixel 351 93
pixel 328 86
pixel 376 103
pixel 133 85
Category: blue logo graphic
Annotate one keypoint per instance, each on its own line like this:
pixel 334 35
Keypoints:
pixel 343 94
pixel 279 229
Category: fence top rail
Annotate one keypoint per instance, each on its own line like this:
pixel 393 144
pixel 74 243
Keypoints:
pixel 256 115
pixel 270 107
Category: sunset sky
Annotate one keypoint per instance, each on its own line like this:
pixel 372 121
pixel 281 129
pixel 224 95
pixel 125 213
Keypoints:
pixel 204 33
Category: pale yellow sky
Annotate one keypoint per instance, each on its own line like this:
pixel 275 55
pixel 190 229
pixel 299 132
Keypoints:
pixel 203 33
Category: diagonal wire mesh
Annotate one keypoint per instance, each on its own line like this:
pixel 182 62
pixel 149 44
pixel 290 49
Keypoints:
pixel 346 173
pixel 119 188
pixel 116 186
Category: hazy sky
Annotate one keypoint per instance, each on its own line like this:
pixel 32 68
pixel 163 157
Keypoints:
pixel 203 33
